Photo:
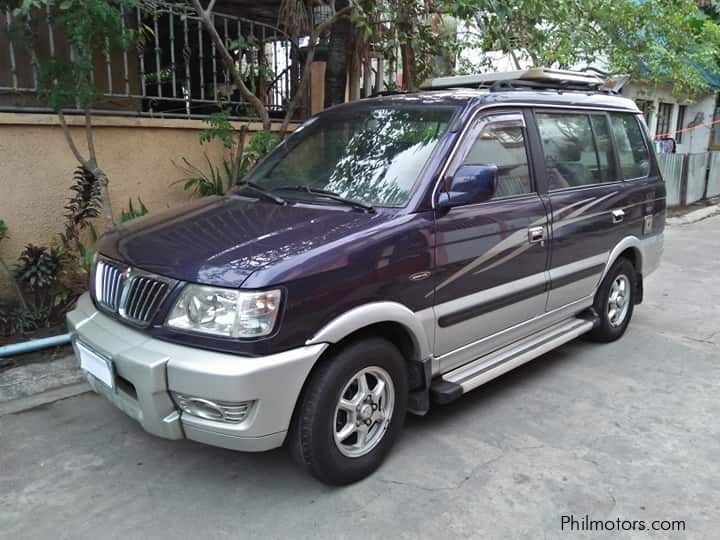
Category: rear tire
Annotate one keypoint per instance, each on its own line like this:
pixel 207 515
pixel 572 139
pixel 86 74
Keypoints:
pixel 350 412
pixel 614 302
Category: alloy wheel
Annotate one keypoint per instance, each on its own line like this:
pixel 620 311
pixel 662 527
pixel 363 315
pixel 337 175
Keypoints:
pixel 363 412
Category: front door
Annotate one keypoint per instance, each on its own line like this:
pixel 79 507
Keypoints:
pixel 491 256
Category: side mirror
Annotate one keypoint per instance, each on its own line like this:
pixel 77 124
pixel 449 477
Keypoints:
pixel 470 184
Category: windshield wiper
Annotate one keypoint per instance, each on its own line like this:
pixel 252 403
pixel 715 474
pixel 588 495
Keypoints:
pixel 252 186
pixel 329 195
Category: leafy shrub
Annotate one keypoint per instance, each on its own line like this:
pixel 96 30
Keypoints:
pixel 243 156
pixel 41 275
pixel 18 320
pixel 85 203
pixel 38 267
pixel 3 230
pixel 132 212
pixel 204 184
pixel 260 143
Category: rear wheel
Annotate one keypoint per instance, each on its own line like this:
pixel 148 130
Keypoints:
pixel 614 301
pixel 351 411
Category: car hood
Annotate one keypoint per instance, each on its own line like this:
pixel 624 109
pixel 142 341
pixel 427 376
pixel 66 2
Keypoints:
pixel 224 240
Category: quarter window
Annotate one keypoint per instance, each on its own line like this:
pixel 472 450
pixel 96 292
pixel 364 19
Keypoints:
pixel 571 153
pixel 606 152
pixel 500 141
pixel 632 151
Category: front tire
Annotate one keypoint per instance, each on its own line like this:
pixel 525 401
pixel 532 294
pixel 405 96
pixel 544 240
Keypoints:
pixel 351 411
pixel 614 302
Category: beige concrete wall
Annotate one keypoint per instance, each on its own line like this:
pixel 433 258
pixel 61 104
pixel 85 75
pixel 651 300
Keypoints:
pixel 36 168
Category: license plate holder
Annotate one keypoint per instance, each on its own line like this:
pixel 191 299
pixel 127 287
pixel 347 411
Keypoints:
pixel 100 367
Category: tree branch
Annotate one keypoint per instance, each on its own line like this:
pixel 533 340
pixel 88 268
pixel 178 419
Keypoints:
pixel 307 67
pixel 320 28
pixel 70 141
pixel 90 138
pixel 258 105
pixel 239 153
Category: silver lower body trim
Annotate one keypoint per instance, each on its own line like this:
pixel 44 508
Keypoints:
pixel 488 367
pixel 488 344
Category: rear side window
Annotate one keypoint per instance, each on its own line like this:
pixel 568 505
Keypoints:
pixel 500 141
pixel 632 150
pixel 571 152
pixel 606 152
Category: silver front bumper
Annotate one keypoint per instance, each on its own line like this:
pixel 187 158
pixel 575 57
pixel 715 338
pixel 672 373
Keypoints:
pixel 155 368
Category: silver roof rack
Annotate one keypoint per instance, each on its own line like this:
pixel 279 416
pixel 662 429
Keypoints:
pixel 536 78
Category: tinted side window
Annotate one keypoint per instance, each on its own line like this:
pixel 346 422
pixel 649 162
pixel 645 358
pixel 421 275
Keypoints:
pixel 501 141
pixel 632 151
pixel 571 158
pixel 606 153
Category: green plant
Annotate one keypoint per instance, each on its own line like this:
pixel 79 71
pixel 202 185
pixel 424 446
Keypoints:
pixel 7 272
pixel 219 127
pixel 38 273
pixel 260 143
pixel 217 180
pixel 214 182
pixel 132 212
pixel 85 203
pixel 38 267
pixel 18 319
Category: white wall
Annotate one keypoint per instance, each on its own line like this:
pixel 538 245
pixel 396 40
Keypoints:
pixel 693 141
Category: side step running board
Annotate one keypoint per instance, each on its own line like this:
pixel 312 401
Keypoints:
pixel 459 381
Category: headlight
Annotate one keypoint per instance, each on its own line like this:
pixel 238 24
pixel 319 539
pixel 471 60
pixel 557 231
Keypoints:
pixel 225 312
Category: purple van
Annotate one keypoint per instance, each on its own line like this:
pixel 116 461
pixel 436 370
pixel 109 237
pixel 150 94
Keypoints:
pixel 391 254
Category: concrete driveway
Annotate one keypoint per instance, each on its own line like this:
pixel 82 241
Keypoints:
pixel 629 430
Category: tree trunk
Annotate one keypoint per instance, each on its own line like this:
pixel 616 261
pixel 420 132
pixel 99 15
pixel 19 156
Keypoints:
pixel 355 68
pixel 90 164
pixel 408 67
pixel 228 61
pixel 337 62
pixel 98 173
pixel 239 154
pixel 407 15
pixel 307 67
pixel 102 179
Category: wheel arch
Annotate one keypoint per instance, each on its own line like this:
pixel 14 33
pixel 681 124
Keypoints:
pixel 400 326
pixel 630 247
pixel 383 316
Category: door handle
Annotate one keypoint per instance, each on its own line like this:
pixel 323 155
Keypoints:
pixel 618 215
pixel 536 235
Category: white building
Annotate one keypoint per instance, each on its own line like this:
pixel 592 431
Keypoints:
pixel 690 124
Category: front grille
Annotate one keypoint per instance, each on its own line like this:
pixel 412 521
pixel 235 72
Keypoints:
pixel 108 285
pixel 132 294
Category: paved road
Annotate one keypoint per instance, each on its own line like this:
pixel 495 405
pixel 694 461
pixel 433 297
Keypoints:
pixel 628 430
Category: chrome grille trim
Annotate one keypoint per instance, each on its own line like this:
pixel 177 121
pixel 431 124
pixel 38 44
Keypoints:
pixel 133 295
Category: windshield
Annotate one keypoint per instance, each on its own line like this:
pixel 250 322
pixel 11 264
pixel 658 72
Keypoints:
pixel 372 155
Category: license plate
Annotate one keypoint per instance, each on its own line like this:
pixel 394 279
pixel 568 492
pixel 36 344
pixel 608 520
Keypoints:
pixel 99 367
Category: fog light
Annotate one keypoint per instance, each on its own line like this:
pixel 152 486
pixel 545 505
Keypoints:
pixel 219 411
